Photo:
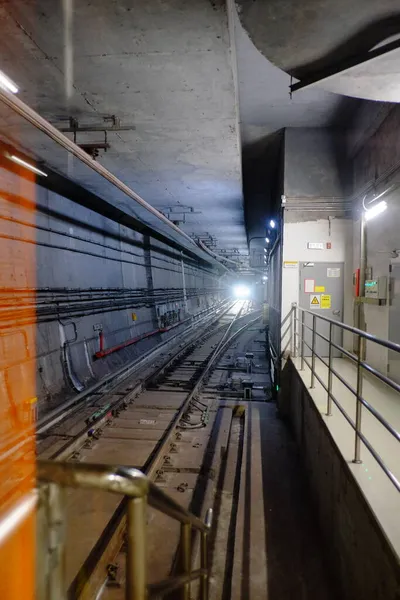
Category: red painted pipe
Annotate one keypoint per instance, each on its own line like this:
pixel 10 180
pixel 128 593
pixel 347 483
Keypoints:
pixel 102 353
pixel 101 340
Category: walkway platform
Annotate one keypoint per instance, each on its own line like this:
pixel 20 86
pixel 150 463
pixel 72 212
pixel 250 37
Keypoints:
pixel 379 491
pixel 267 545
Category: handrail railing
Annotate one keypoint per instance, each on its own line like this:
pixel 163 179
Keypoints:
pixel 140 491
pixel 298 334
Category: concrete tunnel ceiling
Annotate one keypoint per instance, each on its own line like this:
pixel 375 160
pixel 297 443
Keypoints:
pixel 328 45
pixel 165 67
pixel 266 108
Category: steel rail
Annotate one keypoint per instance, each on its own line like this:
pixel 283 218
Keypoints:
pixel 79 439
pixel 152 465
pixel 116 524
pixel 60 413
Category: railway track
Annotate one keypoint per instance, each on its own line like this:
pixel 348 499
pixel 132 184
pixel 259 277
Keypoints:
pixel 161 424
pixel 62 430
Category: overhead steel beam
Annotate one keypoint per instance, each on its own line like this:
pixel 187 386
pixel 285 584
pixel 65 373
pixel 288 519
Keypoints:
pixel 74 126
pixel 90 128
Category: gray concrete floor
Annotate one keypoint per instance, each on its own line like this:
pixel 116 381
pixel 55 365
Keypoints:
pixel 380 492
pixel 273 547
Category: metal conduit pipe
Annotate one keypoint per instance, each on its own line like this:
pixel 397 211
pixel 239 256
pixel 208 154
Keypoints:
pixel 89 241
pixel 192 263
pixel 40 299
pixel 54 310
pixel 107 351
pixel 81 251
pixel 217 256
pixel 9 324
pixel 274 247
pixel 40 123
pixel 70 313
pixel 220 258
pixel 198 319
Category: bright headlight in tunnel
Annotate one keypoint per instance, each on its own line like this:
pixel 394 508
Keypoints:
pixel 241 291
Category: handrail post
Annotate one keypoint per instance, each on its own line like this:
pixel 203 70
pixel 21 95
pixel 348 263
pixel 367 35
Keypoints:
pixel 294 330
pixel 302 340
pixel 329 404
pixel 204 557
pixel 136 549
pixel 357 444
pixel 291 331
pixel 313 353
pixel 203 565
pixel 185 558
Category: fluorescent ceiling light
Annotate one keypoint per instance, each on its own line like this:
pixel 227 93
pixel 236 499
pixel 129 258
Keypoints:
pixel 27 165
pixel 7 84
pixel 375 210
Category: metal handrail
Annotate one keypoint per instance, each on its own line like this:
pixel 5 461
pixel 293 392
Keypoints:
pixel 364 334
pixel 395 386
pixel 139 491
pixel 365 403
pixel 361 365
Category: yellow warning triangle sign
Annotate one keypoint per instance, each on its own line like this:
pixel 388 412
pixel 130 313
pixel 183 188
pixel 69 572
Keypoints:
pixel 315 300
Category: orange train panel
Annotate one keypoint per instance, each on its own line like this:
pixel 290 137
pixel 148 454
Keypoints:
pixel 17 391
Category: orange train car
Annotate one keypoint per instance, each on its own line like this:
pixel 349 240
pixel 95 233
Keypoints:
pixel 17 396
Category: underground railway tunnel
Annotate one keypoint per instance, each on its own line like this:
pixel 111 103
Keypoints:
pixel 199 300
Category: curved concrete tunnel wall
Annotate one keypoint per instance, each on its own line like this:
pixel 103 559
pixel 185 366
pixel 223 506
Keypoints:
pixel 77 248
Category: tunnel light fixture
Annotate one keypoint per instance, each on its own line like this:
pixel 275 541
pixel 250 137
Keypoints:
pixel 375 210
pixel 27 165
pixel 267 240
pixel 272 224
pixel 7 84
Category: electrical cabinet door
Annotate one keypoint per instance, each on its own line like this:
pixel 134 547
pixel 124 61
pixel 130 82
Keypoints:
pixel 321 292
